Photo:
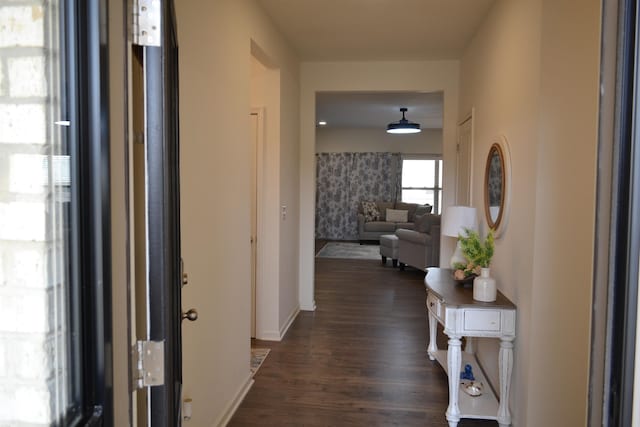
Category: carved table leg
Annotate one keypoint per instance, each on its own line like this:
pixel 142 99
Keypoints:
pixel 454 360
pixel 506 367
pixel 469 346
pixel 433 329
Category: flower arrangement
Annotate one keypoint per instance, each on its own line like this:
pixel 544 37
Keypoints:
pixel 477 253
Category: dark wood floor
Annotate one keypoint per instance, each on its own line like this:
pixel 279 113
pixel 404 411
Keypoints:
pixel 359 360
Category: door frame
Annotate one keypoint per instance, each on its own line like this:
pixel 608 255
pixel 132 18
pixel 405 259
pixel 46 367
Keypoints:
pixel 260 220
pixel 469 117
pixel 163 269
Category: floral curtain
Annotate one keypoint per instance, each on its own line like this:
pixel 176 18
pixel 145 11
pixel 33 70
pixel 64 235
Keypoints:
pixel 343 181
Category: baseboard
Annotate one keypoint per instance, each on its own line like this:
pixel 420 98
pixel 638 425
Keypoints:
pixel 289 322
pixel 311 307
pixel 278 335
pixel 269 336
pixel 235 403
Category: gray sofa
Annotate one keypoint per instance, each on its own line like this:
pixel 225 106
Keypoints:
pixel 373 229
pixel 420 248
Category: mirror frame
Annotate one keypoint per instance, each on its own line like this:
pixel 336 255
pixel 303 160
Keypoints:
pixel 499 146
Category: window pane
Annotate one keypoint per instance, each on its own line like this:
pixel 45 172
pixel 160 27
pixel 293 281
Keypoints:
pixel 440 173
pixel 35 337
pixel 418 196
pixel 418 173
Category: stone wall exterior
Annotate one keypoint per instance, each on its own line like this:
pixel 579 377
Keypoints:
pixel 33 351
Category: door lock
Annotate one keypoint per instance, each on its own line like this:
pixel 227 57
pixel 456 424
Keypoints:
pixel 191 315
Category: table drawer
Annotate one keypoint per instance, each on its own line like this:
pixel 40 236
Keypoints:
pixel 434 305
pixel 482 320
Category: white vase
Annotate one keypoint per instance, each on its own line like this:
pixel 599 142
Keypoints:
pixel 484 287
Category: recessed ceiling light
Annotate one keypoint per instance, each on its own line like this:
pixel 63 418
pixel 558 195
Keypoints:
pixel 322 123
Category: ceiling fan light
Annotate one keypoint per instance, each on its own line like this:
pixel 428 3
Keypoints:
pixel 403 126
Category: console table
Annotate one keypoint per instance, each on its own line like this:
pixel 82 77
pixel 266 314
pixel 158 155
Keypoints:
pixel 453 306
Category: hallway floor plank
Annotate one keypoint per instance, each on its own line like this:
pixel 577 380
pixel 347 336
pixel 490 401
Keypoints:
pixel 359 360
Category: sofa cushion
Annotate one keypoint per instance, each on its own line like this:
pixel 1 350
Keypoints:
pixel 370 211
pixel 382 208
pixel 409 207
pixel 396 215
pixel 379 226
pixel 405 225
pixel 424 222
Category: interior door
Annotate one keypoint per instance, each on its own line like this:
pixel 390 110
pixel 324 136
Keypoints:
pixel 162 211
pixel 463 172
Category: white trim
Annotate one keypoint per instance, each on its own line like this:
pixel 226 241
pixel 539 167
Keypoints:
pixel 269 336
pixel 420 156
pixel 312 307
pixel 279 335
pixel 289 322
pixel 235 403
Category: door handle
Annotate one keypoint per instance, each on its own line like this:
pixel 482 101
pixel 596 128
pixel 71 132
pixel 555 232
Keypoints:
pixel 191 315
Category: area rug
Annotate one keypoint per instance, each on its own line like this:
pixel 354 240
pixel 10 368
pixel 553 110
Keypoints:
pixel 349 250
pixel 257 357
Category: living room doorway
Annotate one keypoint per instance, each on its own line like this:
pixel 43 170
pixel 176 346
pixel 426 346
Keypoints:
pixel 357 160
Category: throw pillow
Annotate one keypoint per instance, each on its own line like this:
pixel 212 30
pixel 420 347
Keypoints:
pixel 395 215
pixel 370 211
pixel 421 210
pixel 409 207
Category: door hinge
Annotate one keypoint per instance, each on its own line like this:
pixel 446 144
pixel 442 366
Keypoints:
pixel 148 364
pixel 146 22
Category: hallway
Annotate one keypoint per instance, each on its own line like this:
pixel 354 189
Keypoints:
pixel 359 360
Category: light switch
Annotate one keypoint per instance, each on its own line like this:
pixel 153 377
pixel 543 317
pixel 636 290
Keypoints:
pixel 283 212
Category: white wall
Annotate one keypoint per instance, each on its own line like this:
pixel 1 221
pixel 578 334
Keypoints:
pixel 215 69
pixel 565 213
pixel 500 78
pixel 265 96
pixel 531 74
pixel 410 76
pixel 362 140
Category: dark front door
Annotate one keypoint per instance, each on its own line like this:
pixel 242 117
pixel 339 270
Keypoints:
pixel 163 216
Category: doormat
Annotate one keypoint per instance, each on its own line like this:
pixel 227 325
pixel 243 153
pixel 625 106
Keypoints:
pixel 349 250
pixel 257 357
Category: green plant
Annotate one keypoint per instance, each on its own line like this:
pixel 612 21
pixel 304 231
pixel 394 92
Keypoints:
pixel 476 251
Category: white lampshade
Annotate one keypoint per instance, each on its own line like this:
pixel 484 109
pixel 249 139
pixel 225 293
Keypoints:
pixel 456 218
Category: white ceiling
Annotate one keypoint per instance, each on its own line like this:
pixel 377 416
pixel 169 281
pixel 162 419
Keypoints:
pixel 378 109
pixel 367 30
pixel 321 30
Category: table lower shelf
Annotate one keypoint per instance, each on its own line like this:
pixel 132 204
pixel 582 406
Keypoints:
pixel 484 406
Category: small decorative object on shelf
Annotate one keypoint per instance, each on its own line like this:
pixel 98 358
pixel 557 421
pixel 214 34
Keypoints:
pixel 479 255
pixel 472 388
pixel 467 374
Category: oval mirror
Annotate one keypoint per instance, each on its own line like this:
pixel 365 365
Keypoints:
pixel 496 185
